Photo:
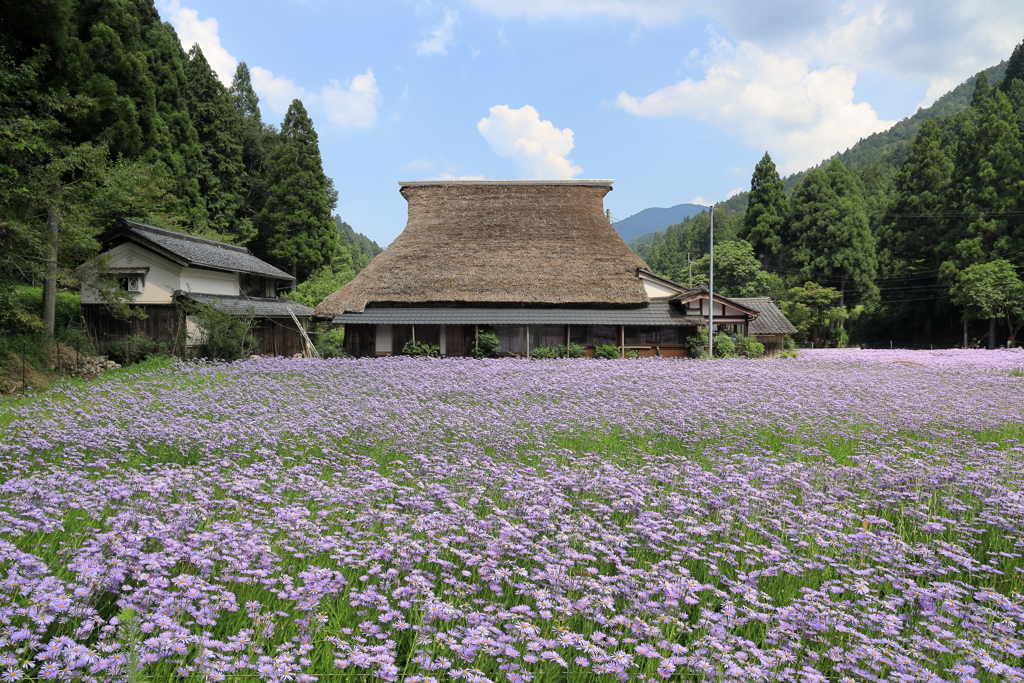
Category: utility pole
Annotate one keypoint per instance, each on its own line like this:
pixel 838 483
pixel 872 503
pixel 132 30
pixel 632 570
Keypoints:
pixel 711 285
pixel 689 267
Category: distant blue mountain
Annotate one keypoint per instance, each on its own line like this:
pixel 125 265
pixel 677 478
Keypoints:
pixel 653 219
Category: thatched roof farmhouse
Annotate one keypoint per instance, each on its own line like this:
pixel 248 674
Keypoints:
pixel 535 261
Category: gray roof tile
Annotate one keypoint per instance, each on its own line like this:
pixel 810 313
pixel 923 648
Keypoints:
pixel 239 305
pixel 198 251
pixel 769 320
pixel 657 314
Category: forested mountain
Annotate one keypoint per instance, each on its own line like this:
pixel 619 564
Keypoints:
pixel 103 114
pixel 914 235
pixel 654 219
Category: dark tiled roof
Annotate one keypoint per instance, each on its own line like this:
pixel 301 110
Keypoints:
pixel 196 251
pixel 769 320
pixel 239 305
pixel 657 313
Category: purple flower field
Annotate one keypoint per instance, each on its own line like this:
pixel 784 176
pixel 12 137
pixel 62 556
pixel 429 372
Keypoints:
pixel 841 516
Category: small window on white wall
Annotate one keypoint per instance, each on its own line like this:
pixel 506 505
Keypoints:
pixel 132 283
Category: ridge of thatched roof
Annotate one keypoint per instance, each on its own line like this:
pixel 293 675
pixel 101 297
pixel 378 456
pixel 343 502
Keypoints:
pixel 500 243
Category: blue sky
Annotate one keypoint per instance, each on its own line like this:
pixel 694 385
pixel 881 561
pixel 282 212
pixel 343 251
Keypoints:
pixel 674 99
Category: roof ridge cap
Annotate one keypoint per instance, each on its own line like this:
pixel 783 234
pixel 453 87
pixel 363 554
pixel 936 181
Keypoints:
pixel 145 227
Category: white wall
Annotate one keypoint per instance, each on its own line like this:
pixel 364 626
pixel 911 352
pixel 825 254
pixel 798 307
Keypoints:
pixel 384 339
pixel 164 277
pixel 656 290
pixel 158 284
pixel 202 281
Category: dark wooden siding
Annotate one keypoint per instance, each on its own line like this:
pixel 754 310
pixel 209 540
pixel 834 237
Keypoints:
pixel 361 340
pixel 400 336
pixel 455 339
pixel 277 337
pixel 161 322
pixel 428 334
pixel 773 344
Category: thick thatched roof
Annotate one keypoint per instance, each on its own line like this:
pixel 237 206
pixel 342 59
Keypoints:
pixel 501 243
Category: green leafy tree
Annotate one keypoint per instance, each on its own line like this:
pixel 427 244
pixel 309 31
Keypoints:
pixel 673 252
pixel 831 233
pixel 737 270
pixel 813 311
pixel 300 233
pixel 991 290
pixel 765 216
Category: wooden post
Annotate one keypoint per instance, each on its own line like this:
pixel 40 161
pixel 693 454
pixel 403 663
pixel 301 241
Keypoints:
pixel 622 341
pixel 568 340
pixel 527 341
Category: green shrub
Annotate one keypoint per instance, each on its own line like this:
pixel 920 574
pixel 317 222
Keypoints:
pixel 697 345
pixel 725 347
pixel 225 336
pixel 487 344
pixel 329 340
pixel 788 353
pixel 415 348
pixel 607 351
pixel 749 347
pixel 549 351
pixel 134 349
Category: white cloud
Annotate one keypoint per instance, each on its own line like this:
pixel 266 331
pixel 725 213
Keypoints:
pixel 700 201
pixel 648 12
pixel 277 91
pixel 440 38
pixel 772 101
pixel 449 176
pixel 813 51
pixel 537 147
pixel 733 193
pixel 191 30
pixel 424 164
pixel 353 105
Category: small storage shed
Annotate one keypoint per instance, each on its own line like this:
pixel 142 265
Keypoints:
pixel 770 326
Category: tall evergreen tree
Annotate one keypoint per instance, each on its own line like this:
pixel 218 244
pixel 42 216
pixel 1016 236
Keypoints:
pixel 988 183
pixel 257 141
pixel 181 154
pixel 1014 68
pixel 982 90
pixel 766 212
pixel 219 128
pixel 832 237
pixel 908 240
pixel 300 234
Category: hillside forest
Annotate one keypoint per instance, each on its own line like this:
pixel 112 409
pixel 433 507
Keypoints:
pixel 103 115
pixel 913 237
